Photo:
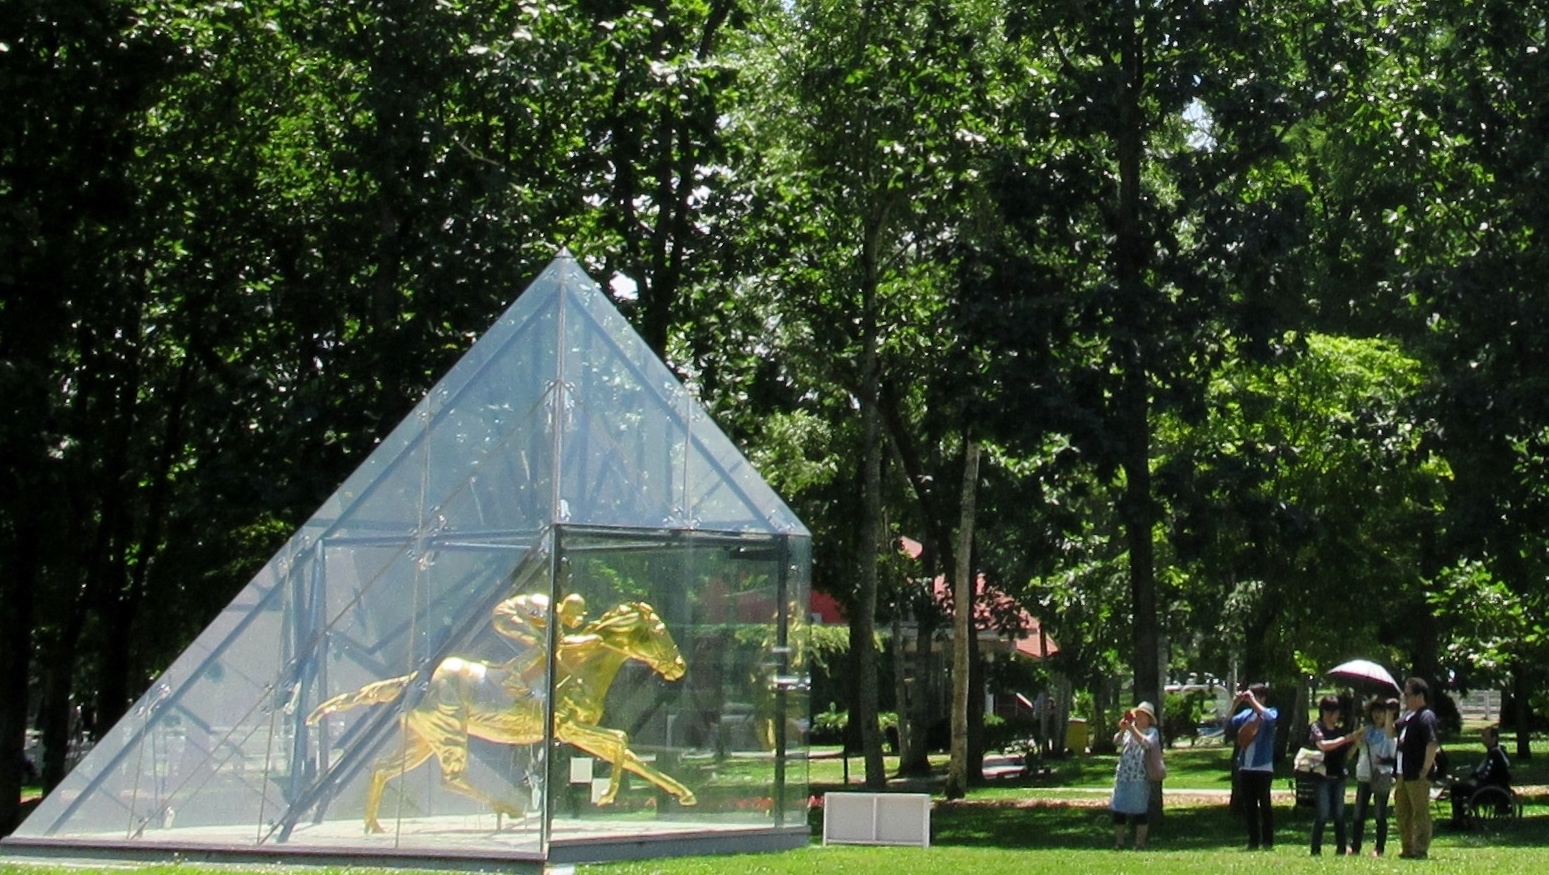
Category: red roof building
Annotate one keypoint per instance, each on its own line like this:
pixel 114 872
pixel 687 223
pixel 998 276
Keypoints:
pixel 991 606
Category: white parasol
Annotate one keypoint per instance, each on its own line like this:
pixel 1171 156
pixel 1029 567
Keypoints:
pixel 1365 674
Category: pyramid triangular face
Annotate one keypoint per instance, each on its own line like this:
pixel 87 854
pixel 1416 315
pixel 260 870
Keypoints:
pixel 559 456
pixel 635 448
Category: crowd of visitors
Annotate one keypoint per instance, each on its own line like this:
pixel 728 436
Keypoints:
pixel 1394 750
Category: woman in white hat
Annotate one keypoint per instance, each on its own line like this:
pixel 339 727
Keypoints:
pixel 1131 788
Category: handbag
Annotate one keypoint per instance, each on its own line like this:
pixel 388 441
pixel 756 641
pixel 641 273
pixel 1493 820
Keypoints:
pixel 1156 767
pixel 1248 732
pixel 1309 760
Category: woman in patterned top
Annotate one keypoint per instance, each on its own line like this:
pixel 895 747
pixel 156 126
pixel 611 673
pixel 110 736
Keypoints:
pixel 1131 789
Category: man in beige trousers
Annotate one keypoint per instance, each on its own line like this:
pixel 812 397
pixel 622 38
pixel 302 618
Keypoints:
pixel 1419 739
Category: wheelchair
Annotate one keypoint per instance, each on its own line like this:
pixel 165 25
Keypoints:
pixel 1488 809
pixel 1492 809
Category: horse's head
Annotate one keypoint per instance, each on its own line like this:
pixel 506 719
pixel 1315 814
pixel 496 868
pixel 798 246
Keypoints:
pixel 637 631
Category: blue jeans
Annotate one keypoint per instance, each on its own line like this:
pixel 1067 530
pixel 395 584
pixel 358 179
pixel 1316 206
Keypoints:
pixel 1366 799
pixel 1330 797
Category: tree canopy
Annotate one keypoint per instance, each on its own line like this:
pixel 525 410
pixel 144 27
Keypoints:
pixel 1240 300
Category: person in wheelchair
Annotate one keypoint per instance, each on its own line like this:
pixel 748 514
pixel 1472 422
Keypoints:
pixel 1493 771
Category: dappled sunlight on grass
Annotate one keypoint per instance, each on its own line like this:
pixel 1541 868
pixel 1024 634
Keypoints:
pixel 1042 834
pixel 1058 822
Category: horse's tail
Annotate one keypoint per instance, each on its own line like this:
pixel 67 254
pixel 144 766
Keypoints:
pixel 376 693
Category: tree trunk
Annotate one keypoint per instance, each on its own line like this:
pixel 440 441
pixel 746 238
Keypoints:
pixel 1522 714
pixel 1134 389
pixel 963 628
pixel 900 681
pixel 976 687
pixel 54 710
pixel 1060 730
pixel 17 586
pixel 915 755
pixel 863 625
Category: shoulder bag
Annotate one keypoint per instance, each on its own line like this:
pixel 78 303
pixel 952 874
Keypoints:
pixel 1156 767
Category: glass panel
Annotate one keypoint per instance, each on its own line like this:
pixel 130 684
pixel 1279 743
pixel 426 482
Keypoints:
pixel 639 451
pixel 703 747
pixel 451 774
pixel 794 679
pixel 723 489
pixel 621 443
pixel 491 439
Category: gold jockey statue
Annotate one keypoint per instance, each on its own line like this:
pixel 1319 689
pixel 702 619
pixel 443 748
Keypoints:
pixel 525 619
pixel 498 703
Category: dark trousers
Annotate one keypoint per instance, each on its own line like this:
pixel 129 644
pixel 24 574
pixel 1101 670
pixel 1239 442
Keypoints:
pixel 1461 792
pixel 1366 799
pixel 1254 787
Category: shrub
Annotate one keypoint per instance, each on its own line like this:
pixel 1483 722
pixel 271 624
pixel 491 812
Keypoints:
pixel 1185 712
pixel 828 727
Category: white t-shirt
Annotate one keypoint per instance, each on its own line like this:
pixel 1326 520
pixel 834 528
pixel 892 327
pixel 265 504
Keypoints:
pixel 1377 751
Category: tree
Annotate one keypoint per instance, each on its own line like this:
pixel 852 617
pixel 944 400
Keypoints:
pixel 964 629
pixel 875 139
pixel 1309 483
pixel 264 229
pixel 74 78
pixel 1475 301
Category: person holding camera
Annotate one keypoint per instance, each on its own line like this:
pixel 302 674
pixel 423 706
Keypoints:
pixel 1131 803
pixel 1253 727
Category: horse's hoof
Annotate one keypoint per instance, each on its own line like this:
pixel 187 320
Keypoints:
pixel 374 828
pixel 688 799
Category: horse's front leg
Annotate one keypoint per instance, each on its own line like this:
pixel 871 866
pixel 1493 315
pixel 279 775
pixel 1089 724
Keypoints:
pixel 612 745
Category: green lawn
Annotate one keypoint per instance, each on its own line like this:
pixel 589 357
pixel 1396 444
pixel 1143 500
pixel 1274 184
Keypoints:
pixel 1035 835
pixel 1057 823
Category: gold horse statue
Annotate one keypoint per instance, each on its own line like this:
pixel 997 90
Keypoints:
pixel 497 702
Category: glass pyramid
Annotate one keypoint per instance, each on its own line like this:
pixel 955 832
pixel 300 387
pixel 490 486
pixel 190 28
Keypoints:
pixel 475 603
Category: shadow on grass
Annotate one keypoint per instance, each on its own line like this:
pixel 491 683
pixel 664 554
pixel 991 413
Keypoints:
pixel 1048 825
pixel 1052 825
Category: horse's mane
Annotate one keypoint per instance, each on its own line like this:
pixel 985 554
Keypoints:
pixel 627 612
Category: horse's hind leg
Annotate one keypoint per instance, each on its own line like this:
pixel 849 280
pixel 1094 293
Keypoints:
pixel 453 756
pixel 446 733
pixel 415 752
pixel 459 782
